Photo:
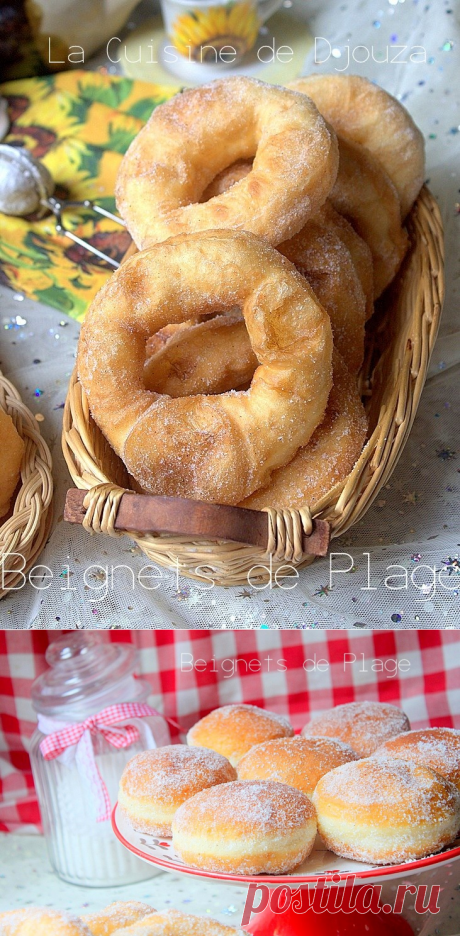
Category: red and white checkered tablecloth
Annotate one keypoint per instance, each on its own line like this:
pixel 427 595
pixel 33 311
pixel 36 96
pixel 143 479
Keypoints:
pixel 191 672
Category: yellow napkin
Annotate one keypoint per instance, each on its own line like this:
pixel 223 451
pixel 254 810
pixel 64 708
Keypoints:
pixel 79 124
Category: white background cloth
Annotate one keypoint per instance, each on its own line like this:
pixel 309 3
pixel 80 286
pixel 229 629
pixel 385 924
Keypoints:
pixel 415 521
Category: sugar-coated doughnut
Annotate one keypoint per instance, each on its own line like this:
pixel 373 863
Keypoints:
pixel 232 730
pixel 299 762
pixel 218 448
pixel 246 827
pixel 360 253
pixel 208 357
pixel 320 254
pixel 117 916
pixel 386 811
pixel 175 923
pixel 191 138
pixel 366 196
pixel 155 783
pixel 438 748
pixel 11 454
pixel 362 725
pixel 364 113
pixel 330 455
pixel 41 921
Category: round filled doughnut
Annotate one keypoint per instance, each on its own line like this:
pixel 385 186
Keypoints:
pixel 362 725
pixel 246 827
pixel 438 748
pixel 330 455
pixel 218 448
pixel 298 762
pixel 41 921
pixel 175 923
pixel 232 730
pixel 386 812
pixel 191 138
pixel 365 195
pixel 155 783
pixel 364 113
pixel 320 254
pixel 116 916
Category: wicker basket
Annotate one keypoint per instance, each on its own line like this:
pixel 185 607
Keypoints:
pixel 398 350
pixel 26 527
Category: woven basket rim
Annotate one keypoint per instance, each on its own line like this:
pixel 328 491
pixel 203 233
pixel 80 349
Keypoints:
pixel 26 527
pixel 348 501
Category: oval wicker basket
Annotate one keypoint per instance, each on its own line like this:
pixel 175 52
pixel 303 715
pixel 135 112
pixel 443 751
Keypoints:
pixel 398 350
pixel 26 527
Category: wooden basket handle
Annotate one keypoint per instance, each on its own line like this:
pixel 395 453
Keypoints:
pixel 143 513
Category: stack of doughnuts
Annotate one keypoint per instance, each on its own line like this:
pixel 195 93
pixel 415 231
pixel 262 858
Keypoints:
pixel 374 790
pixel 122 918
pixel 221 361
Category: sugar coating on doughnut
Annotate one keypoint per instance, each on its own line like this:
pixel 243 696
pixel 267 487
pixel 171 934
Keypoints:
pixel 175 923
pixel 359 250
pixel 212 448
pixel 320 254
pixel 117 916
pixel 191 138
pixel 12 451
pixel 329 456
pixel 155 783
pixel 246 827
pixel 386 811
pixel 362 725
pixel 366 114
pixel 209 357
pixel 366 196
pixel 299 762
pixel 234 729
pixel 41 921
pixel 438 748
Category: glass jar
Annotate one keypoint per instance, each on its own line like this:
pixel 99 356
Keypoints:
pixel 86 676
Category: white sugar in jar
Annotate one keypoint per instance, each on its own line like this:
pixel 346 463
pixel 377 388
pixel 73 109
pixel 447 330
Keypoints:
pixel 88 674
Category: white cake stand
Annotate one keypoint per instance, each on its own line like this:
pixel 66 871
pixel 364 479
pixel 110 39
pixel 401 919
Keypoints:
pixel 320 866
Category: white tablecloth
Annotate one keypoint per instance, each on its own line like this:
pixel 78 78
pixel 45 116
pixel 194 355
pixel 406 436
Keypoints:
pixel 415 522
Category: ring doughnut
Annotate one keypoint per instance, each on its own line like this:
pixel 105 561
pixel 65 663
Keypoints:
pixel 155 783
pixel 320 254
pixel 175 923
pixel 365 195
pixel 191 138
pixel 438 748
pixel 362 725
pixel 246 827
pixel 233 729
pixel 116 916
pixel 386 812
pixel 299 762
pixel 10 462
pixel 208 357
pixel 364 113
pixel 360 252
pixel 40 921
pixel 330 455
pixel 222 447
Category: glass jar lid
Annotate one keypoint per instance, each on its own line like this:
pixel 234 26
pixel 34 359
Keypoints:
pixel 86 672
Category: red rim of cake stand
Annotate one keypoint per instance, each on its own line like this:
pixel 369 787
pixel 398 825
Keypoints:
pixel 290 881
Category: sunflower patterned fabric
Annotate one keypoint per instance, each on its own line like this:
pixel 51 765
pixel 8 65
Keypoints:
pixel 79 124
